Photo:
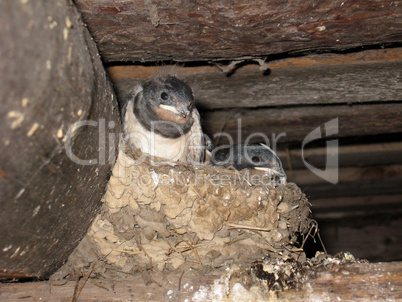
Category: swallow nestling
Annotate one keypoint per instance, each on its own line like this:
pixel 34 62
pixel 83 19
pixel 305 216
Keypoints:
pixel 256 157
pixel 160 118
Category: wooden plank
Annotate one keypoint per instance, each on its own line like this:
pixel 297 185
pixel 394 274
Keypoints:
pixel 315 84
pixel 352 189
pixel 295 123
pixel 365 206
pixel 373 173
pixel 336 204
pixel 349 155
pixel 198 31
pixel 325 84
pixel 369 170
pixel 365 181
pixel 376 237
pixel 351 282
pixel 356 282
pixel 141 71
pixel 368 226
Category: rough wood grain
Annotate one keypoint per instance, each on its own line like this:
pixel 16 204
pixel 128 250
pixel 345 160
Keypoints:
pixel 366 174
pixel 372 173
pixel 204 30
pixel 349 155
pixel 324 205
pixel 352 282
pixel 360 191
pixel 357 282
pixel 376 237
pixel 370 76
pixel 353 181
pixel 51 79
pixel 333 84
pixel 362 188
pixel 141 71
pixel 297 122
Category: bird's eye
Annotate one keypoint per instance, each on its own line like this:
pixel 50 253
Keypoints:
pixel 256 159
pixel 164 96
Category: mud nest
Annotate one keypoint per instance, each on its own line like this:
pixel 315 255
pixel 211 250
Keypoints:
pixel 170 217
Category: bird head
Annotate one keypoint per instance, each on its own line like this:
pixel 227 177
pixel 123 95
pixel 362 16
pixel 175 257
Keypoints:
pixel 262 158
pixel 171 99
pixel 255 157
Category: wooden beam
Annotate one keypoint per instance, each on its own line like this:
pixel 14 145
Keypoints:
pixel 325 84
pixel 355 282
pixel 373 173
pixel 141 71
pixel 203 30
pixel 365 181
pixel 369 170
pixel 364 187
pixel 351 282
pixel 349 155
pixel 375 237
pixel 325 207
pixel 315 80
pixel 295 123
pixel 353 189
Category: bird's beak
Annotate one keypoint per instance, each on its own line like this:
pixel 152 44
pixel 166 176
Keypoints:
pixel 170 108
pixel 262 169
pixel 182 111
pixel 280 172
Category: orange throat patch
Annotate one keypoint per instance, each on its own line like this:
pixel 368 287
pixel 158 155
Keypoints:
pixel 166 115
